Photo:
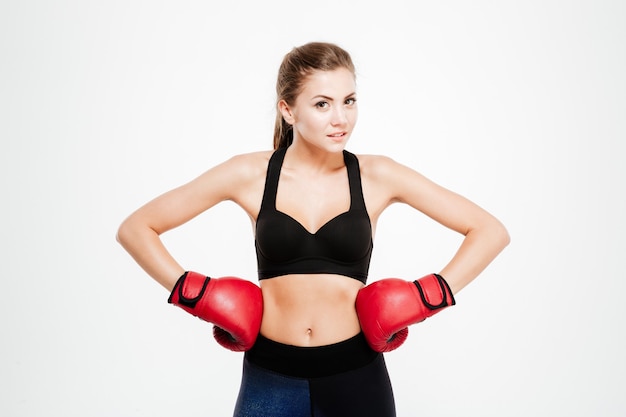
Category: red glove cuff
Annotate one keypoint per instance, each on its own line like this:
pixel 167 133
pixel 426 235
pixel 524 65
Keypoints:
pixel 434 292
pixel 188 290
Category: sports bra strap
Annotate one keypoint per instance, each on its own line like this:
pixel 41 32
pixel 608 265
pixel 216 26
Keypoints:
pixel 357 202
pixel 271 180
pixel 273 174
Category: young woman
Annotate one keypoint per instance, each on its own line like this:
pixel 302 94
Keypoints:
pixel 313 331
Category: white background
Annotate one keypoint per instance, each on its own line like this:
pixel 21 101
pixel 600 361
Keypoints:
pixel 518 105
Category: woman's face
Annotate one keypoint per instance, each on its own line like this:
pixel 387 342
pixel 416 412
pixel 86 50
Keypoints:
pixel 325 112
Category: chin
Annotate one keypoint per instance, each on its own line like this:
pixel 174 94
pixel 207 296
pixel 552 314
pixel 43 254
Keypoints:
pixel 327 144
pixel 339 144
pixel 335 147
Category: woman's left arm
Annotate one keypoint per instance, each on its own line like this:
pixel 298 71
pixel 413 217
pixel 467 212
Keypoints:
pixel 485 236
pixel 388 306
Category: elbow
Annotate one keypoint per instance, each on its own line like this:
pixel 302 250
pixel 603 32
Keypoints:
pixel 133 231
pixel 501 236
pixel 120 235
pixel 494 234
pixel 124 233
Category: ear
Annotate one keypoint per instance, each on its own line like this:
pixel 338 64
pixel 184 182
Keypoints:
pixel 285 110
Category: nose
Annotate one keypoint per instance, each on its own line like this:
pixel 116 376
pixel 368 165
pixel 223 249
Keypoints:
pixel 339 116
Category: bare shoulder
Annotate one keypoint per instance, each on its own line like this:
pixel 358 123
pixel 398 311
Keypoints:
pixel 369 162
pixel 242 179
pixel 379 175
pixel 249 164
pixel 392 179
pixel 238 171
pixel 230 179
pixel 379 168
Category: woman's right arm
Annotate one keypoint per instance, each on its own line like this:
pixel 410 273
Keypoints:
pixel 139 234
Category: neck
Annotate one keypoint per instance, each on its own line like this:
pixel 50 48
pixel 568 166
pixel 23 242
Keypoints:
pixel 302 155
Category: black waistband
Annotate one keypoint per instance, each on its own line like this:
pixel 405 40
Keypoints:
pixel 311 362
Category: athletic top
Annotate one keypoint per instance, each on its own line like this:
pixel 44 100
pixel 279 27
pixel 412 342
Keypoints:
pixel 342 246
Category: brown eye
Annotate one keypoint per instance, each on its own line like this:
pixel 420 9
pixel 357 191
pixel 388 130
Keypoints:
pixel 321 104
pixel 350 101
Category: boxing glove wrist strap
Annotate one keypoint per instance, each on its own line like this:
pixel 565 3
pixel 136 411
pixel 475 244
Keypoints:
pixel 178 296
pixel 430 288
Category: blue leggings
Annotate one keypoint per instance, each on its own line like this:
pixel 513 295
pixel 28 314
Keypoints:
pixel 339 380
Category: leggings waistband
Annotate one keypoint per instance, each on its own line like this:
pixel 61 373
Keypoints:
pixel 311 362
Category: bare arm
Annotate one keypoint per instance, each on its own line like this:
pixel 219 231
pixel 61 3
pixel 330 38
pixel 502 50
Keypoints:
pixel 485 236
pixel 139 233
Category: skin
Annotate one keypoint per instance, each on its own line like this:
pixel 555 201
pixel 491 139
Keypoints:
pixel 318 309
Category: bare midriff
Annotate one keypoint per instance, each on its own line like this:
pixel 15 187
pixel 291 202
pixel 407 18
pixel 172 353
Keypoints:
pixel 310 309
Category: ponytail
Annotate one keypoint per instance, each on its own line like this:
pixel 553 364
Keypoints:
pixel 283 132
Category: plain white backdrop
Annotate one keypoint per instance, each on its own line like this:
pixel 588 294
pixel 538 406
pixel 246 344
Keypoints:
pixel 518 105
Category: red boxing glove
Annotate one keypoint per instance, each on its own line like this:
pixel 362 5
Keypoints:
pixel 387 307
pixel 233 305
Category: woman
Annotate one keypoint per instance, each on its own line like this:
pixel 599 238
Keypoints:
pixel 313 332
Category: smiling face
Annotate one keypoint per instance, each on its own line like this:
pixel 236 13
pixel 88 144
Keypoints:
pixel 325 111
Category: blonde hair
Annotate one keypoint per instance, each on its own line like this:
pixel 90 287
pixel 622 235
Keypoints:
pixel 298 64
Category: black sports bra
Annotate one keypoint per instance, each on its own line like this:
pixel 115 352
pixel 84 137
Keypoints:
pixel 342 246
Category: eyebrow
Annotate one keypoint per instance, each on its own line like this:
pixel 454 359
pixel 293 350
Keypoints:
pixel 330 98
